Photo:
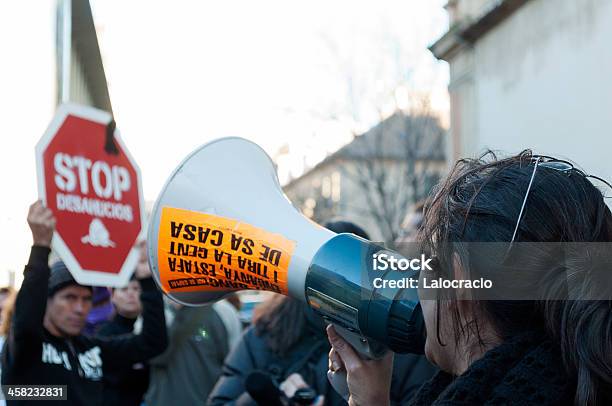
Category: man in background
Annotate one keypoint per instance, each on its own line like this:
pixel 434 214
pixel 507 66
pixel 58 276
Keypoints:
pixel 199 340
pixel 125 386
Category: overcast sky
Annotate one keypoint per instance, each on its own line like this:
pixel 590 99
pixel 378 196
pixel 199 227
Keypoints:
pixel 296 77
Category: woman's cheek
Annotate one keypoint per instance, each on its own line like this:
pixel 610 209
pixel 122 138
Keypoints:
pixel 429 312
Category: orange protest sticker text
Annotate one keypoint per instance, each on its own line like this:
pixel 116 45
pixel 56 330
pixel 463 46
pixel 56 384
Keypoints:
pixel 201 252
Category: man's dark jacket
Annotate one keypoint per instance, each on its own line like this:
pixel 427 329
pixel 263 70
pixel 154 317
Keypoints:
pixel 123 386
pixel 32 356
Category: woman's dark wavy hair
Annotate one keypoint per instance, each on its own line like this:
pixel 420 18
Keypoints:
pixel 480 201
pixel 282 320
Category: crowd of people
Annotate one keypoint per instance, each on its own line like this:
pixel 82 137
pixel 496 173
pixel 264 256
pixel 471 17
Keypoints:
pixel 111 346
pixel 132 346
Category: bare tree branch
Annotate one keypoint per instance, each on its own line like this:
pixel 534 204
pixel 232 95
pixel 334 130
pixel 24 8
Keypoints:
pixel 393 166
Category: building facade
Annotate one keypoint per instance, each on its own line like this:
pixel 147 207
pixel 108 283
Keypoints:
pixel 531 74
pixel 80 71
pixel 374 180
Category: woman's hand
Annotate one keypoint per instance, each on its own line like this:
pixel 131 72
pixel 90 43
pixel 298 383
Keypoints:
pixel 369 381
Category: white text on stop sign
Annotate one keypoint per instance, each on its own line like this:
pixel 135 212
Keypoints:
pixel 106 180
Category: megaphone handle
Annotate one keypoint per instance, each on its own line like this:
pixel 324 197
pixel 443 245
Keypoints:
pixel 338 381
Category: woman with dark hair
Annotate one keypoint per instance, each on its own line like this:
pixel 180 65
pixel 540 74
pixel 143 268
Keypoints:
pixel 286 346
pixel 552 347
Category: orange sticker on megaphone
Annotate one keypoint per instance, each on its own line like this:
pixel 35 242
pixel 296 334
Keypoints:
pixel 203 252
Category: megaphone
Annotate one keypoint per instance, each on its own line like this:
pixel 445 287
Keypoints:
pixel 222 224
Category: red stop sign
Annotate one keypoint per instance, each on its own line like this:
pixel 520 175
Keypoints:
pixel 95 195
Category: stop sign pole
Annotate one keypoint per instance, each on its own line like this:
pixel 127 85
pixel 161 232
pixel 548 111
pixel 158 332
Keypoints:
pixel 95 195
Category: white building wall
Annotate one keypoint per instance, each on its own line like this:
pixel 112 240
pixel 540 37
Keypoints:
pixel 543 80
pixel 471 8
pixel 464 107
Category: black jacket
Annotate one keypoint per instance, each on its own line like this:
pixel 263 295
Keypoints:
pixel 123 386
pixel 524 370
pixel 252 353
pixel 32 356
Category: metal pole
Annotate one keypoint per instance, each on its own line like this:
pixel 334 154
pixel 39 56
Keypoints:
pixel 66 46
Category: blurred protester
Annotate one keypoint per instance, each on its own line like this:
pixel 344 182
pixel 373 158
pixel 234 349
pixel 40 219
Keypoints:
pixel 6 312
pixel 45 345
pixel 6 293
pixel 6 316
pixel 125 386
pixel 101 310
pixel 285 350
pixel 555 351
pixel 234 300
pixel 229 315
pixel 127 307
pixel 199 340
pixel 411 224
pixel 287 345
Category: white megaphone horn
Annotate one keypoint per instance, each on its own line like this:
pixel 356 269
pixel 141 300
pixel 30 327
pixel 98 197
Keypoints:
pixel 222 224
pixel 233 181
